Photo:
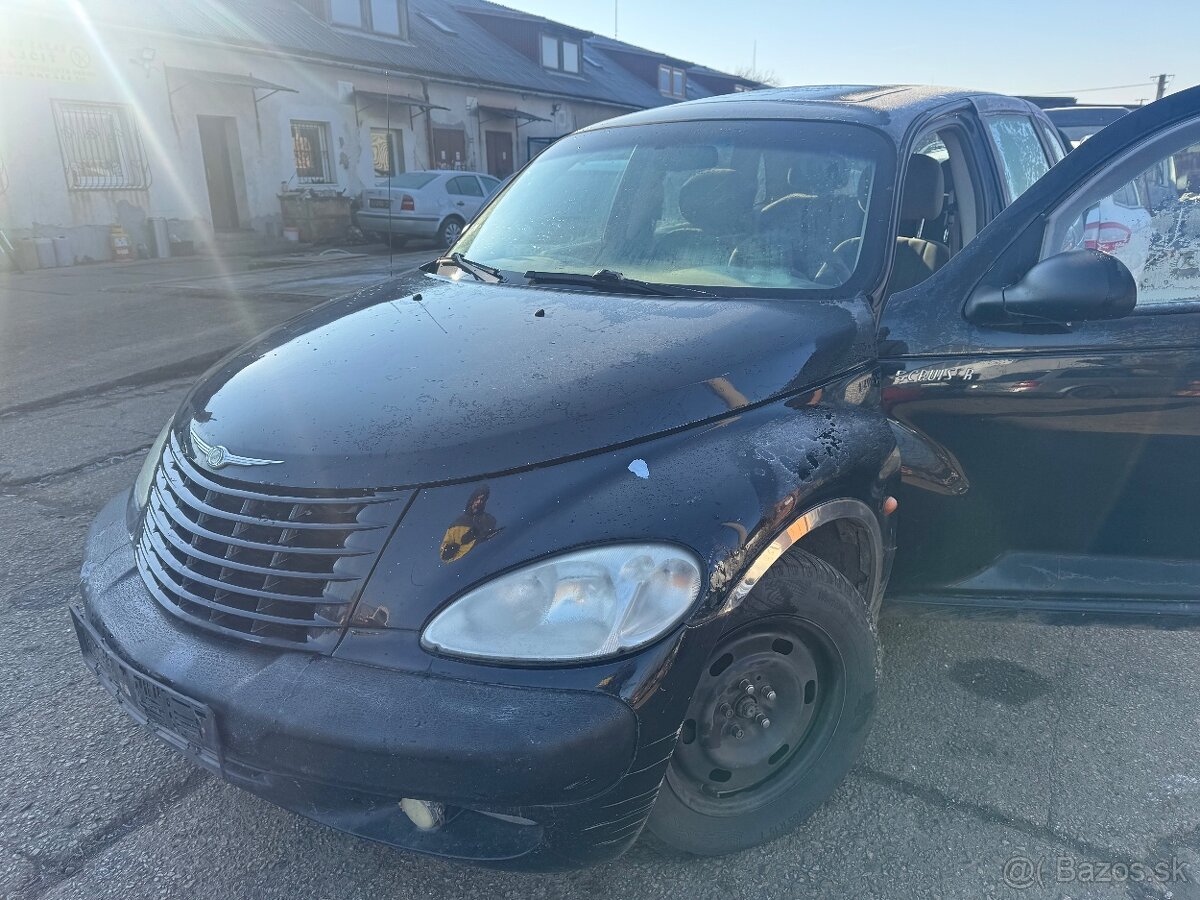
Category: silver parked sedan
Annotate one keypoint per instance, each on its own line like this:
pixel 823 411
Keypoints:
pixel 433 204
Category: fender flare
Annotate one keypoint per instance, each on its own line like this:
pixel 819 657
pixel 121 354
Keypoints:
pixel 806 523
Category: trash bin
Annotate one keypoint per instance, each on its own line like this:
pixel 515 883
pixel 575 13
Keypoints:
pixel 45 253
pixel 160 241
pixel 27 255
pixel 63 255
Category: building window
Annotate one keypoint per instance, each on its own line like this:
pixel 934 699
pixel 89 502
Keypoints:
pixel 672 81
pixel 310 143
pixel 381 16
pixel 570 56
pixel 560 54
pixel 101 147
pixel 387 151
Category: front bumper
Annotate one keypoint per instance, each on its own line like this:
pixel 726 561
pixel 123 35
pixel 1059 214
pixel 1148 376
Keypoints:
pixel 533 778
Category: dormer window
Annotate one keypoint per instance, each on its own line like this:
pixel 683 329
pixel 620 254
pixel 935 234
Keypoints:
pixel 380 16
pixel 561 54
pixel 672 82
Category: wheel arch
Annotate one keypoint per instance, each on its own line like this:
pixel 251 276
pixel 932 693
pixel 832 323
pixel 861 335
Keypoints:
pixel 844 532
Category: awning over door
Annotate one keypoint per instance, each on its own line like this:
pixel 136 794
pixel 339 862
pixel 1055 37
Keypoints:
pixel 181 78
pixel 519 116
pixel 366 99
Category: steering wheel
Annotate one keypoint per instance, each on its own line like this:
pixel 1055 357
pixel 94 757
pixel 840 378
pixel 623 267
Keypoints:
pixel 834 269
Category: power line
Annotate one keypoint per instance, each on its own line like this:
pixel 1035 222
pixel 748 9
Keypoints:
pixel 1115 87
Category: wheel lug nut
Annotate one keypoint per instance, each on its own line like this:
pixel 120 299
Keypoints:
pixel 769 693
pixel 764 721
pixel 737 732
pixel 727 710
pixel 747 686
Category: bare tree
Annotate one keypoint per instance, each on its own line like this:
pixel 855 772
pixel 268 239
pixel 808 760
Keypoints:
pixel 762 76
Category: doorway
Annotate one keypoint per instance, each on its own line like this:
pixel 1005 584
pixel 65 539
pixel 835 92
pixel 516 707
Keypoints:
pixel 499 153
pixel 449 148
pixel 222 169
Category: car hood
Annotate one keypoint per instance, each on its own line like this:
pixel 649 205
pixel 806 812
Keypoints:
pixel 381 389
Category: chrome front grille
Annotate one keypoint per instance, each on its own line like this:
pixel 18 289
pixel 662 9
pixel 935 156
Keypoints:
pixel 274 568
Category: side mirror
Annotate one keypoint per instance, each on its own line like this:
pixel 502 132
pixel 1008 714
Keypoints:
pixel 1075 286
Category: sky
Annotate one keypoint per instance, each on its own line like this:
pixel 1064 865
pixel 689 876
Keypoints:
pixel 1082 49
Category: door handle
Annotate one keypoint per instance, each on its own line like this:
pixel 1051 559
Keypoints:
pixel 460 203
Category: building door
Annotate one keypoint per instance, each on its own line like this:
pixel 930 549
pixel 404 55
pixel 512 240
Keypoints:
pixel 499 153
pixel 216 133
pixel 449 148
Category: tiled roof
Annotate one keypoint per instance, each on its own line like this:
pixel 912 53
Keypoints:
pixel 470 53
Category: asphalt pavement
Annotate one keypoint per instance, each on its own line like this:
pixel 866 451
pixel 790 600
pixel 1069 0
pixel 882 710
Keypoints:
pixel 1013 756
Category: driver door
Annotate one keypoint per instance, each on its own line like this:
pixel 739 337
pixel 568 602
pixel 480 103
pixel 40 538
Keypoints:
pixel 1058 462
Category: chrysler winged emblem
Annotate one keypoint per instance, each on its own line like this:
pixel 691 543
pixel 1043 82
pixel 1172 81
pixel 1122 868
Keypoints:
pixel 216 456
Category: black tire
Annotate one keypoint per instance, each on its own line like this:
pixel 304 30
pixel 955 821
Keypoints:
pixel 450 230
pixel 396 241
pixel 807 633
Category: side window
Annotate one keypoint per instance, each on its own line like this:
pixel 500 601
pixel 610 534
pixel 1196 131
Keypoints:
pixel 958 221
pixel 1143 209
pixel 1053 142
pixel 464 186
pixel 1021 154
pixel 490 185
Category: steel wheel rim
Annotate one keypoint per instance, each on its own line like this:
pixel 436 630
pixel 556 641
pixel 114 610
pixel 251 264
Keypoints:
pixel 715 772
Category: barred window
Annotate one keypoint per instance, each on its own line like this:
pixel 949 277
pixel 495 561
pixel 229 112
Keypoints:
pixel 310 143
pixel 101 147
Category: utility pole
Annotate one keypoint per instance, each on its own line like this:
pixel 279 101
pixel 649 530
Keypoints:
pixel 616 18
pixel 1162 85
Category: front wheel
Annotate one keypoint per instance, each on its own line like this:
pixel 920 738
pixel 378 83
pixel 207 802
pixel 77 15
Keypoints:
pixel 450 231
pixel 781 712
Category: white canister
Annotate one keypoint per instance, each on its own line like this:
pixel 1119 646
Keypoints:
pixel 63 255
pixel 45 252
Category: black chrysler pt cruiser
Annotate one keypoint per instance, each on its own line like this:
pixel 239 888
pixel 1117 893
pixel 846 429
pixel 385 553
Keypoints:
pixel 583 530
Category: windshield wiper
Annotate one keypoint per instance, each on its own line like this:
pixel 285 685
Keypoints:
pixel 617 281
pixel 473 268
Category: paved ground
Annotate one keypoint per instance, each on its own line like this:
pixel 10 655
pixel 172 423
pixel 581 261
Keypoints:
pixel 1067 751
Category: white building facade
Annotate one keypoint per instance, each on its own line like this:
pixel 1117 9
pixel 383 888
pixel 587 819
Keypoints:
pixel 155 108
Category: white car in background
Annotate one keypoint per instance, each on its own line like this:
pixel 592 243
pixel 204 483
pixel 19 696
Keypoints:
pixel 434 205
pixel 1118 224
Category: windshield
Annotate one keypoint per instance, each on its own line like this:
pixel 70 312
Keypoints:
pixel 730 207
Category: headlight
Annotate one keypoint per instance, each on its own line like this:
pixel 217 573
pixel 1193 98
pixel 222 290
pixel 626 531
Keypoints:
pixel 141 487
pixel 583 605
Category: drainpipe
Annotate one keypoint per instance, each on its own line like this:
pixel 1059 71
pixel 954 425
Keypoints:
pixel 428 125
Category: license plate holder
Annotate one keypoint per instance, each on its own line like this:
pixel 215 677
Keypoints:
pixel 186 724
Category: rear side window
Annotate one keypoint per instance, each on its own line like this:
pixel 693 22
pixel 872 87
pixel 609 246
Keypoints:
pixel 464 185
pixel 1054 142
pixel 1022 156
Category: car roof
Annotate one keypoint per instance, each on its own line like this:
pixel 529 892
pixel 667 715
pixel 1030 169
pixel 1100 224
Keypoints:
pixel 891 108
